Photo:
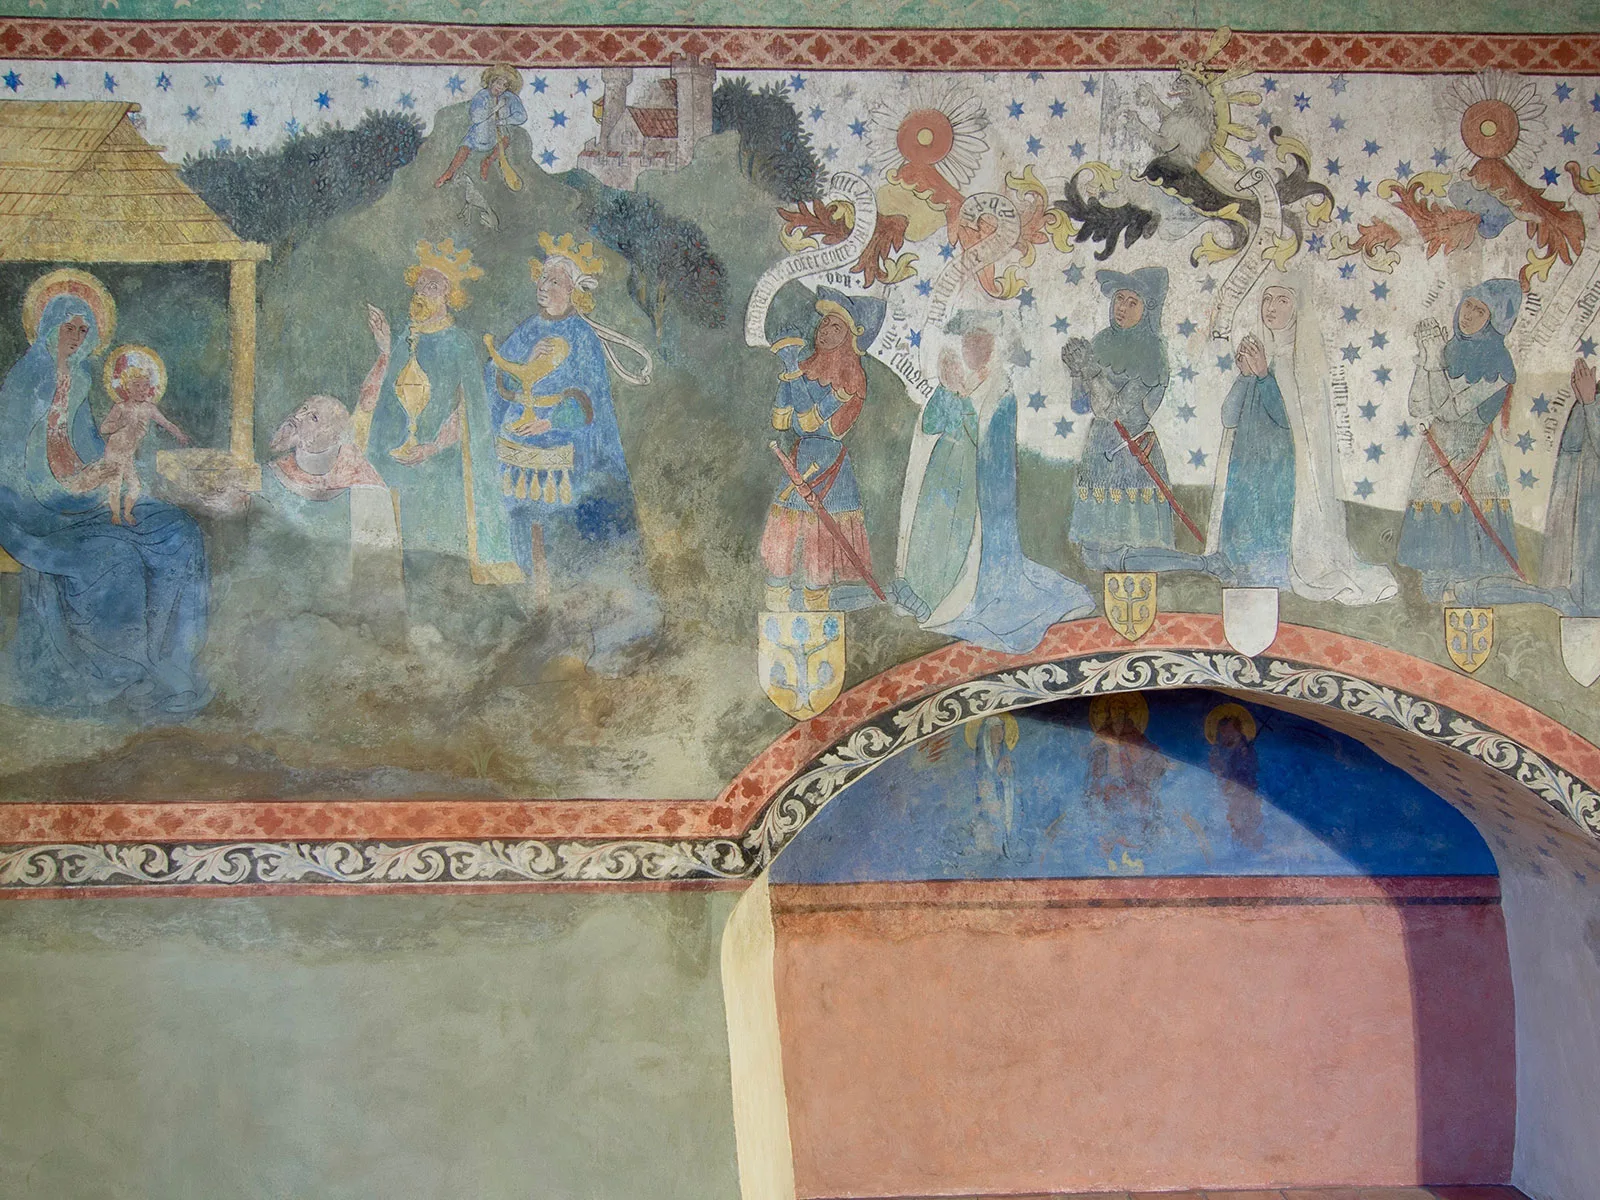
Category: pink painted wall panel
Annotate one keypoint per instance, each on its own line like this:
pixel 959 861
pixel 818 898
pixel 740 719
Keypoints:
pixel 948 1038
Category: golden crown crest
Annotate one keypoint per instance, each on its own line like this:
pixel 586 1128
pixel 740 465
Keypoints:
pixel 454 265
pixel 581 256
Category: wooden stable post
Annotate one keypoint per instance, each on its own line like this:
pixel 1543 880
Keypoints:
pixel 242 357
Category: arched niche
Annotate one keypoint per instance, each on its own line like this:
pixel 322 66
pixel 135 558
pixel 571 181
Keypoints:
pixel 1530 808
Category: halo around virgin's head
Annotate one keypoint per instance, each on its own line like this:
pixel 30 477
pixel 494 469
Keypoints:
pixel 70 281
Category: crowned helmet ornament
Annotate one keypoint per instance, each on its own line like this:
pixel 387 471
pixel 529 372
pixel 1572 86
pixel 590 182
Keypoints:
pixel 931 143
pixel 1501 116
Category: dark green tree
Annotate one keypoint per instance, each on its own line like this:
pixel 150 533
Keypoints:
pixel 272 196
pixel 669 259
pixel 774 150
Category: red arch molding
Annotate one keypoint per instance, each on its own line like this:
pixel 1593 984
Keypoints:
pixel 229 847
pixel 748 48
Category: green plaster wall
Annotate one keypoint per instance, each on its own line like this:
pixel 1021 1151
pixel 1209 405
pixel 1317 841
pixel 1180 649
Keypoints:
pixel 568 1047
pixel 1508 16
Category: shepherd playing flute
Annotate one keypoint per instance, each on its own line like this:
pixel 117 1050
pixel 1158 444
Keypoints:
pixel 494 111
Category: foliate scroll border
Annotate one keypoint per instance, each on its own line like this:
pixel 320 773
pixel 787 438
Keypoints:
pixel 357 864
pixel 874 742
pixel 754 48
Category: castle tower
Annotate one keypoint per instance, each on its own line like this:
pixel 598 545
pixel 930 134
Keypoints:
pixel 614 106
pixel 695 82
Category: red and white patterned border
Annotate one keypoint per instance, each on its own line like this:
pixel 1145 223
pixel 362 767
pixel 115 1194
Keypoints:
pixel 199 867
pixel 732 812
pixel 655 828
pixel 741 48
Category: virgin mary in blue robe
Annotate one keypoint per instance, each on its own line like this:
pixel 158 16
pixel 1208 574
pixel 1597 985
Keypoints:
pixel 113 616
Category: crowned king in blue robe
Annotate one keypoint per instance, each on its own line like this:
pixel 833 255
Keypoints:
pixel 447 504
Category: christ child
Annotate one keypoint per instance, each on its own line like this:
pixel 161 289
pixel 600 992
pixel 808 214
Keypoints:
pixel 135 379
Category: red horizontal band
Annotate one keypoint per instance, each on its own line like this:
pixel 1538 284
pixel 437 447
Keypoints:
pixel 743 48
pixel 736 808
pixel 212 891
pixel 361 820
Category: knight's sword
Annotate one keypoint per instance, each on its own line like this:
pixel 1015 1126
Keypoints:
pixel 1465 492
pixel 828 523
pixel 1143 459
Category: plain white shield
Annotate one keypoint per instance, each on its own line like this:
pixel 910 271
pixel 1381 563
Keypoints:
pixel 1250 618
pixel 1580 648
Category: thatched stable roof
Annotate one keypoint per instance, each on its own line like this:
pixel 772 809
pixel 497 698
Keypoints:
pixel 78 183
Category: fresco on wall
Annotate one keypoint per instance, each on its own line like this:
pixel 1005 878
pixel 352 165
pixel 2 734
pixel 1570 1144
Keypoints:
pixel 1159 783
pixel 476 430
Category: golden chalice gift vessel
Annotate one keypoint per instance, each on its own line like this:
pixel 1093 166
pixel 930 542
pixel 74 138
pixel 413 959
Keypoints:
pixel 547 355
pixel 414 391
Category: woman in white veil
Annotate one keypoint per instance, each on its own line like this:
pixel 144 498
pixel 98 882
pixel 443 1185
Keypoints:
pixel 959 537
pixel 1322 566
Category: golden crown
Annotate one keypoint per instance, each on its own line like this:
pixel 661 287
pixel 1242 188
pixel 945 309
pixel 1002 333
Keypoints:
pixel 456 266
pixel 581 256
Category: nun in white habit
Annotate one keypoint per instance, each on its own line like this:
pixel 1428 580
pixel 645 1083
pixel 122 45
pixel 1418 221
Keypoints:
pixel 1322 566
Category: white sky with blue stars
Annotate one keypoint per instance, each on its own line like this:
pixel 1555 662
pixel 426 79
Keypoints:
pixel 1362 129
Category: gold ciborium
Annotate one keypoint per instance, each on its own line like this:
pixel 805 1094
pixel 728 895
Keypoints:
pixel 414 391
pixel 549 354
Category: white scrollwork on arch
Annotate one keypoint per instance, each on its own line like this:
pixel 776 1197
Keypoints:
pixel 872 744
pixel 641 860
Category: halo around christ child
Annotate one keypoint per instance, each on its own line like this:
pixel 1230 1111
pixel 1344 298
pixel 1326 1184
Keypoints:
pixel 133 359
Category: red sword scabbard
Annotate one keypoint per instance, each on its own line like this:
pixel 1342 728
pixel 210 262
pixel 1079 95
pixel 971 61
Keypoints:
pixel 828 523
pixel 1143 460
pixel 1465 492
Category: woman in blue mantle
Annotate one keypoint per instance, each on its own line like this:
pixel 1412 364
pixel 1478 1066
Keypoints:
pixel 113 614
pixel 1570 568
pixel 961 570
pixel 1457 528
pixel 1254 505
pixel 1277 519
pixel 1121 377
pixel 1572 528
